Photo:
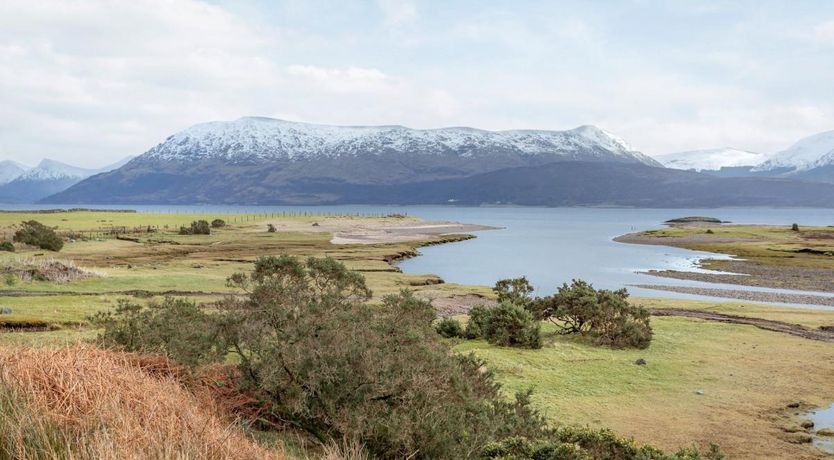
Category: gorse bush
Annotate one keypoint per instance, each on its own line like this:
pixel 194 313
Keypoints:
pixel 6 246
pixel 198 227
pixel 505 324
pixel 518 291
pixel 37 234
pixel 176 328
pixel 606 315
pixel 320 359
pixel 587 444
pixel 449 328
pixel 218 223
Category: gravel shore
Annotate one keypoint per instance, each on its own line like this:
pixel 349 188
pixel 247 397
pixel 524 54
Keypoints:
pixel 756 296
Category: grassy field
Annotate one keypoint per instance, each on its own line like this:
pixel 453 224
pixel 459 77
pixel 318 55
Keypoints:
pixel 153 265
pixel 810 247
pixel 748 376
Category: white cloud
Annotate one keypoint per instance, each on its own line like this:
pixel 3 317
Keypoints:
pixel 91 82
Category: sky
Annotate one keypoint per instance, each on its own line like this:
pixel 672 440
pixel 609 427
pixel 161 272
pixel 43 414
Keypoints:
pixel 91 82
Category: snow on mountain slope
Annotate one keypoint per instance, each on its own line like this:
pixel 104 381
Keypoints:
pixel 11 170
pixel 808 153
pixel 711 159
pixel 51 170
pixel 259 138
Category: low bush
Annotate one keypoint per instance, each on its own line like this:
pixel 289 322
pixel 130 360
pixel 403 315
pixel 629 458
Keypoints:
pixel 35 233
pixel 176 328
pixel 6 246
pixel 449 328
pixel 198 227
pixel 505 324
pixel 573 443
pixel 606 315
pixel 218 223
pixel 43 269
pixel 313 355
pixel 514 290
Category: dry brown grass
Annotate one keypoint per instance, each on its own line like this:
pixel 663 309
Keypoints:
pixel 46 269
pixel 109 404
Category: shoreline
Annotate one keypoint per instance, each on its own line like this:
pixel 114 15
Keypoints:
pixel 739 294
pixel 737 271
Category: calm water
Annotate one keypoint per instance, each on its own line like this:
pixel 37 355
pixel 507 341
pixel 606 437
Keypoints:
pixel 823 418
pixel 548 245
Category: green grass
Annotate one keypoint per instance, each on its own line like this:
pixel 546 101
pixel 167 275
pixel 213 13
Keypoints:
pixel 806 317
pixel 745 373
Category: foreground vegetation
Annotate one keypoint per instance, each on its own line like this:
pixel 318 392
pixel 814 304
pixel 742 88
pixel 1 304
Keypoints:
pixel 702 381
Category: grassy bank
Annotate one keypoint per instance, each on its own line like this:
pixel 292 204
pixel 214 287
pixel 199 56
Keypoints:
pixel 747 377
pixel 769 256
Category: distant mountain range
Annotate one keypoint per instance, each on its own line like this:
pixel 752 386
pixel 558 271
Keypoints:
pixel 21 184
pixel 255 160
pixel 810 158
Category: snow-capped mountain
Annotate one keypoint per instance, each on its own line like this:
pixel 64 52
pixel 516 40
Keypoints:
pixel 47 178
pixel 711 159
pixel 11 170
pixel 264 160
pixel 266 139
pixel 267 161
pixel 808 153
pixel 55 170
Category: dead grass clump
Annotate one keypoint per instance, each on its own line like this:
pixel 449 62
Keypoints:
pixel 91 403
pixel 46 269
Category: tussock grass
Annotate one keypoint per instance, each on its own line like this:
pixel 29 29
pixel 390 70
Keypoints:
pixel 83 402
pixel 49 269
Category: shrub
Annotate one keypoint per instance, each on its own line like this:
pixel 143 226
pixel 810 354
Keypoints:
pixel 505 324
pixel 323 360
pixel 176 328
pixel 317 357
pixel 604 314
pixel 198 227
pixel 44 269
pixel 449 328
pixel 6 246
pixel 515 290
pixel 218 223
pixel 271 228
pixel 37 234
pixel 795 227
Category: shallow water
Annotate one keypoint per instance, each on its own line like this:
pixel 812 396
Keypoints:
pixel 548 245
pixel 823 418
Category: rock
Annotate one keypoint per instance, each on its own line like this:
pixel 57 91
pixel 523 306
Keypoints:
pixel 827 432
pixel 807 424
pixel 793 405
pixel 640 362
pixel 800 438
pixel 699 392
